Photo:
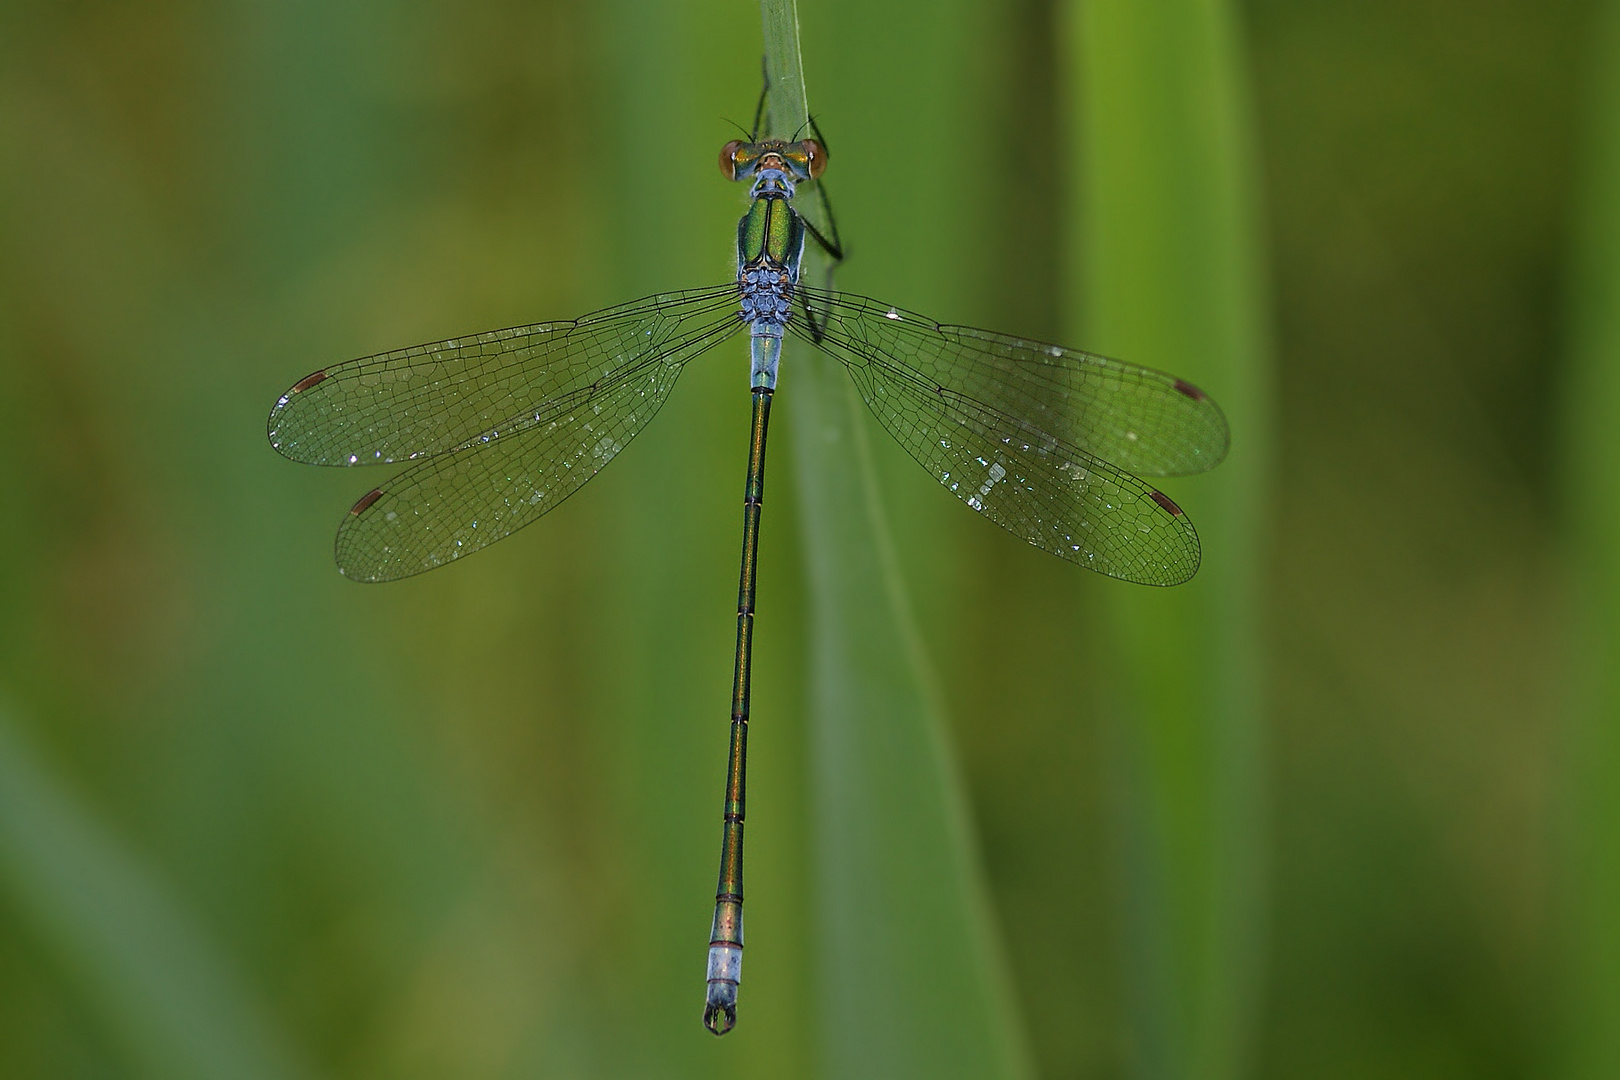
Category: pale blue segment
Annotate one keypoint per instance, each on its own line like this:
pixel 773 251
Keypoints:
pixel 725 963
pixel 765 349
pixel 771 182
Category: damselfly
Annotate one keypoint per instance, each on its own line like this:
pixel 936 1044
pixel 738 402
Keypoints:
pixel 1044 440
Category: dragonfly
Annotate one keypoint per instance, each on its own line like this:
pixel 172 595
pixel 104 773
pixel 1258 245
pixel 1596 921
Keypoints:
pixel 496 429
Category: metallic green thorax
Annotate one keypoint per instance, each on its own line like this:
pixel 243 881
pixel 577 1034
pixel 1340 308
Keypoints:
pixel 770 235
pixel 770 242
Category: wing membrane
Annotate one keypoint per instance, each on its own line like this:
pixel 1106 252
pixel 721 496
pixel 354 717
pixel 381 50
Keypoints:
pixel 967 406
pixel 431 399
pixel 457 502
pixel 1142 421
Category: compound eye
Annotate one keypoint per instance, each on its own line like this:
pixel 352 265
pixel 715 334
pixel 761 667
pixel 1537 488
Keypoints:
pixel 728 158
pixel 815 157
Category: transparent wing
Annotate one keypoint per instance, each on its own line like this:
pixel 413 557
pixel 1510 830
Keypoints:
pixel 1143 421
pixel 510 423
pixel 967 406
pixel 430 399
pixel 455 503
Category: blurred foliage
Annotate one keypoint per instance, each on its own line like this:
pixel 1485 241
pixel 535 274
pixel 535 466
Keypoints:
pixel 466 825
pixel 1588 937
pixel 1167 268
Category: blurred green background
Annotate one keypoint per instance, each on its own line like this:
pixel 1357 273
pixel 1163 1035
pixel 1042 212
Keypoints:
pixel 258 821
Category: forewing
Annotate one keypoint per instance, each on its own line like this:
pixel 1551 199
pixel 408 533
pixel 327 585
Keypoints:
pixel 430 399
pixel 1142 421
pixel 1039 487
pixel 457 502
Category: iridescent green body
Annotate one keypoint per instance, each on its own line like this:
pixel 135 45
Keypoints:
pixel 770 245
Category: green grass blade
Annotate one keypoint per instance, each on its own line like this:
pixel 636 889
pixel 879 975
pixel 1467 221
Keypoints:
pixel 1590 1040
pixel 1170 277
pixel 168 995
pixel 784 67
pixel 911 979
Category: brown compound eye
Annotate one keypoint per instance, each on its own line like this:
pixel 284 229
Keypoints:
pixel 815 157
pixel 728 158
